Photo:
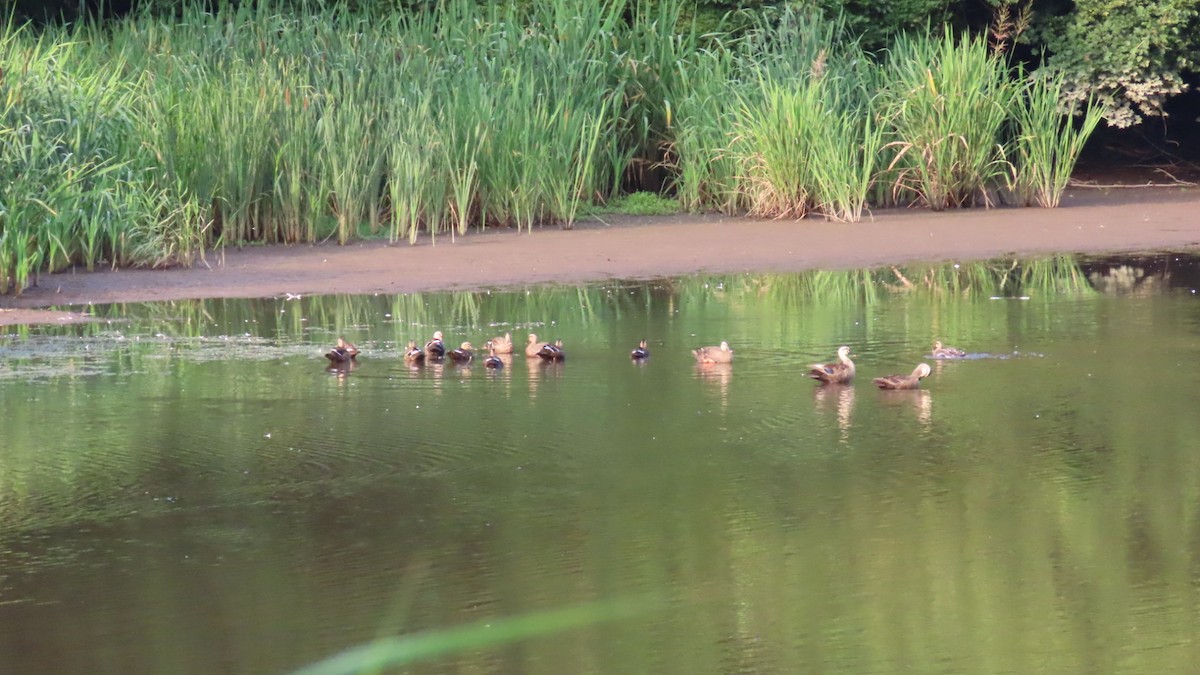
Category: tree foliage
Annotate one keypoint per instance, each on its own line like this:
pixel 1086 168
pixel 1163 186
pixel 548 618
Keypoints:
pixel 1131 55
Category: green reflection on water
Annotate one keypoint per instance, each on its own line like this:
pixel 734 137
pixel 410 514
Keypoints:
pixel 174 500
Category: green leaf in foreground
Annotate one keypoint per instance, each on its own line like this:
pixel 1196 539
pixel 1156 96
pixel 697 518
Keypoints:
pixel 434 643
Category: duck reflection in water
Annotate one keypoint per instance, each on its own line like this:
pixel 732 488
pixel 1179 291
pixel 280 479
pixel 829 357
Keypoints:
pixel 341 369
pixel 838 397
pixel 539 370
pixel 719 374
pixel 920 400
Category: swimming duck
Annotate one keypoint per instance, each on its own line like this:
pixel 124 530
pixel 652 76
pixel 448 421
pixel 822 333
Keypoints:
pixel 464 354
pixel 903 381
pixel 533 346
pixel 344 352
pixel 502 345
pixel 414 355
pixel 641 352
pixel 721 354
pixel 834 373
pixel 493 361
pixel 552 352
pixel 941 351
pixel 435 349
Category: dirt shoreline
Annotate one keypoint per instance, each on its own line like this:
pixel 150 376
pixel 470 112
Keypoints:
pixel 1089 221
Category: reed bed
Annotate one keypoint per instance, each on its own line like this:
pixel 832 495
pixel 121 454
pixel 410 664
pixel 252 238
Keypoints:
pixel 150 141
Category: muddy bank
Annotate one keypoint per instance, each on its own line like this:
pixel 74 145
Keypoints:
pixel 1090 221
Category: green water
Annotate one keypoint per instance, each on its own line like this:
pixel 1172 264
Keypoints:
pixel 185 488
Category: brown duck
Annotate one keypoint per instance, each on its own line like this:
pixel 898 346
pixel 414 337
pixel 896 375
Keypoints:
pixel 941 351
pixel 493 361
pixel 841 372
pixel 463 355
pixel 903 381
pixel 414 355
pixel 552 352
pixel 435 349
pixel 502 345
pixel 344 352
pixel 719 354
pixel 640 352
pixel 533 346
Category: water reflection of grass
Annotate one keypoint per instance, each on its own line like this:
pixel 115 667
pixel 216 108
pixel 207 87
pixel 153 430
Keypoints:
pixel 410 316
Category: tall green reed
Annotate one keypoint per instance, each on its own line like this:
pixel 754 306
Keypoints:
pixel 946 104
pixel 1048 141
pixel 149 141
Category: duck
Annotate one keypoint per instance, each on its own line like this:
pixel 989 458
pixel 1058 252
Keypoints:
pixel 435 349
pixel 463 355
pixel 344 352
pixel 903 381
pixel 502 345
pixel 841 372
pixel 532 347
pixel 414 355
pixel 493 361
pixel 719 354
pixel 552 352
pixel 640 352
pixel 941 351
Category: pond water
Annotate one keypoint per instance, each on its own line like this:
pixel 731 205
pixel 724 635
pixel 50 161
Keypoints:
pixel 184 487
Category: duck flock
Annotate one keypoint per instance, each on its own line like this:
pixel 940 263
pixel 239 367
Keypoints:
pixel 841 371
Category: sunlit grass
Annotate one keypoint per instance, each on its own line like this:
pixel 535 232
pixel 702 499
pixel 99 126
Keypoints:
pixel 638 204
pixel 946 104
pixel 151 141
pixel 1048 143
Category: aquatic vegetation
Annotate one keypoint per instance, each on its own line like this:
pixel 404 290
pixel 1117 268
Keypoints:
pixel 150 141
pixel 1048 143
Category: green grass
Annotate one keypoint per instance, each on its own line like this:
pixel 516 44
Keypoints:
pixel 637 204
pixel 151 141
pixel 1048 143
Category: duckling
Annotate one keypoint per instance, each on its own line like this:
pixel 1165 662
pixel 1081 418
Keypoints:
pixel 493 361
pixel 414 355
pixel 721 354
pixel 435 349
pixel 941 351
pixel 841 372
pixel 640 352
pixel 502 345
pixel 552 352
pixel 463 355
pixel 903 381
pixel 344 352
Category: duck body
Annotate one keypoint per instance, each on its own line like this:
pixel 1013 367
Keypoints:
pixel 435 349
pixel 719 354
pixel 912 381
pixel 640 352
pixel 463 355
pixel 344 352
pixel 493 362
pixel 502 345
pixel 532 347
pixel 941 351
pixel 841 372
pixel 414 355
pixel 552 352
